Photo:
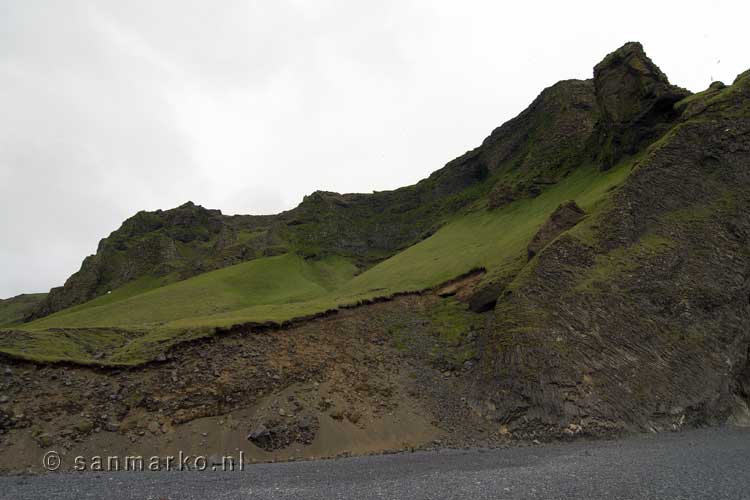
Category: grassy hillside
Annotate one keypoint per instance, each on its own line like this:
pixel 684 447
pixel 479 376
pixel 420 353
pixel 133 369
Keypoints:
pixel 142 319
pixel 14 309
pixel 274 280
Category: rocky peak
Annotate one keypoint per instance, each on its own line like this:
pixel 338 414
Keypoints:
pixel 627 82
pixel 635 100
pixel 323 197
pixel 558 122
pixel 147 244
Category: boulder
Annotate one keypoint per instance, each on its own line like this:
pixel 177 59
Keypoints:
pixel 84 426
pixel 501 195
pixel 45 440
pixel 274 434
pixel 259 432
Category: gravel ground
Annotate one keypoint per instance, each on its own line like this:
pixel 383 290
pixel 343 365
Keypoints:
pixel 709 463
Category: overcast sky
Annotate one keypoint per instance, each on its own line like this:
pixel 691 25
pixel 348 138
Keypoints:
pixel 110 107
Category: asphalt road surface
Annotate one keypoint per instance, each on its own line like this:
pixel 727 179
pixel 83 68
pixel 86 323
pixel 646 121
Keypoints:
pixel 709 463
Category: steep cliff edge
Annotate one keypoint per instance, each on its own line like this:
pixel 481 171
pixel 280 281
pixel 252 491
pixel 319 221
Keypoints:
pixel 639 317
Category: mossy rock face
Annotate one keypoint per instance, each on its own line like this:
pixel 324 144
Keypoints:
pixel 563 218
pixel 638 317
pixel 635 316
pixel 147 244
pixel 548 137
pixel 635 100
pixel 528 154
pixel 503 194
pixel 485 298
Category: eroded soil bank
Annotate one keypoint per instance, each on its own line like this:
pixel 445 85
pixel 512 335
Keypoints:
pixel 377 378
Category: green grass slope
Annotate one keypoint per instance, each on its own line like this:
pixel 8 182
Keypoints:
pixel 274 280
pixel 137 322
pixel 14 309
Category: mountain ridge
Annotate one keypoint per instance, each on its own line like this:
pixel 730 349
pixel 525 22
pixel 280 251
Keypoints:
pixel 367 227
pixel 581 273
pixel 542 147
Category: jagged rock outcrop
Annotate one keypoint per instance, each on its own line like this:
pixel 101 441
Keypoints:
pixel 642 321
pixel 543 142
pixel 502 194
pixel 174 244
pixel 563 218
pixel 635 101
pixel 548 136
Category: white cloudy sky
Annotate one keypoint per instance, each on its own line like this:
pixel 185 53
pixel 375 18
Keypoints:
pixel 110 107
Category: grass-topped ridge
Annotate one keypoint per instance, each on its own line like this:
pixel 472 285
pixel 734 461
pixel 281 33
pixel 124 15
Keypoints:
pixel 281 288
pixel 15 309
pixel 167 277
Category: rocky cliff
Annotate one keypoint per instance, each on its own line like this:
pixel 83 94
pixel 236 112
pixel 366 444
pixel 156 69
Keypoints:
pixel 519 159
pixel 633 314
pixel 639 317
pixel 171 244
pixel 636 103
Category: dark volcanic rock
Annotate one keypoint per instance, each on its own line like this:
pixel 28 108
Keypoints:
pixel 485 298
pixel 563 218
pixel 644 323
pixel 548 136
pixel 501 195
pixel 277 434
pixel 544 142
pixel 157 244
pixel 635 100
